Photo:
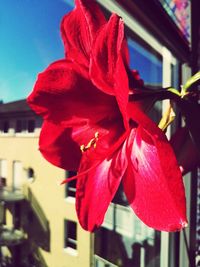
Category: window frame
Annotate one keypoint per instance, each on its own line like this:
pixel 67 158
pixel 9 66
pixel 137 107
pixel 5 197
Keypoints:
pixel 136 27
pixel 3 171
pixel 70 188
pixel 70 237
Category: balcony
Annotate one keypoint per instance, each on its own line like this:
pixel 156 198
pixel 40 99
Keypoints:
pixel 10 237
pixel 122 220
pixel 10 194
pixel 36 208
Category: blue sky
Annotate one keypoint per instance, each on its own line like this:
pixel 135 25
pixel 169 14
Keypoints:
pixel 29 42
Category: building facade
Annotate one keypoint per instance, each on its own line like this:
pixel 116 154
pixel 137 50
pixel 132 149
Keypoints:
pixel 38 221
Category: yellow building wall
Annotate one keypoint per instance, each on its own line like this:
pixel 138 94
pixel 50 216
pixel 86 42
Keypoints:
pixel 50 197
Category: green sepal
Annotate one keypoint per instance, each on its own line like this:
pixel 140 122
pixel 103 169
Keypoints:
pixel 174 91
pixel 191 81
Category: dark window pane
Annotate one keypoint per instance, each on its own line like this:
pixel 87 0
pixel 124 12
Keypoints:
pixel 120 197
pixel 18 126
pixel 5 126
pixel 31 126
pixel 70 239
pixel 70 190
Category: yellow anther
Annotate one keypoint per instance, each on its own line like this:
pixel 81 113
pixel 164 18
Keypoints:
pixel 96 135
pixel 92 142
pixel 82 148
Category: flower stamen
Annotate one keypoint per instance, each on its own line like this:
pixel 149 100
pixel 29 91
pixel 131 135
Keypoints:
pixel 92 143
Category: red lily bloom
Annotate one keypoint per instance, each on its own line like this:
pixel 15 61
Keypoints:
pixel 92 127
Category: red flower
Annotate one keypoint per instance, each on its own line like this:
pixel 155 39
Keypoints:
pixel 92 127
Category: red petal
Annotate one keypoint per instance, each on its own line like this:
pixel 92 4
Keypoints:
pixel 154 184
pixel 78 29
pixel 135 80
pixel 185 150
pixel 57 146
pixel 106 50
pixel 61 146
pixel 108 70
pixel 122 89
pixel 96 189
pixel 62 95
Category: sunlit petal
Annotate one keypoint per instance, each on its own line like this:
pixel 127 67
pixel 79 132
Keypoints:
pixel 62 95
pixel 78 29
pixel 109 57
pixel 57 146
pixel 96 189
pixel 153 184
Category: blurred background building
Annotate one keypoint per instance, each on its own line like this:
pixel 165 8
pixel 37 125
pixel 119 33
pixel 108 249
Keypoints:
pixel 38 224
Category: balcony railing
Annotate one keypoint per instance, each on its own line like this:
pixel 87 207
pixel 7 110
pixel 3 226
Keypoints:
pixel 100 262
pixel 122 220
pixel 11 194
pixel 10 237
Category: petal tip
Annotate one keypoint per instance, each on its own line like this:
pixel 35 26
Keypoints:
pixel 178 227
pixel 184 224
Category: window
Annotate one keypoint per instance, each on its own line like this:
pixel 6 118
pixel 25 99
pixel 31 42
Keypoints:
pixel 70 235
pixel 31 126
pixel 24 126
pixel 30 174
pixel 150 66
pixel 5 127
pixel 17 174
pixel 70 189
pixel 18 126
pixel 120 197
pixel 146 61
pixel 3 172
